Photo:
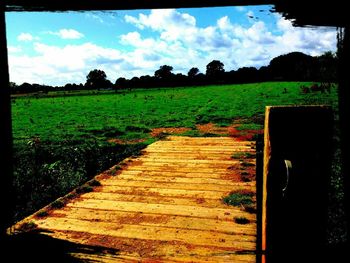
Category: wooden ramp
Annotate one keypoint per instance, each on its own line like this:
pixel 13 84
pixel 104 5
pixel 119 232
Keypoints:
pixel 163 206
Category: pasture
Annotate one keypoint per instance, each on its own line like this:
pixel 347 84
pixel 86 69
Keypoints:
pixel 131 115
pixel 63 139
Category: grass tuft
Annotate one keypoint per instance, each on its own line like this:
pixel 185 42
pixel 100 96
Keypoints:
pixel 238 199
pixel 94 182
pixel 84 189
pixel 57 204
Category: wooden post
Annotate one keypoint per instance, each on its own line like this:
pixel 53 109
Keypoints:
pixel 5 132
pixel 344 117
pixel 297 166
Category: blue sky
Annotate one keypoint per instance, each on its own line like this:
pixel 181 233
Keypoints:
pixel 60 48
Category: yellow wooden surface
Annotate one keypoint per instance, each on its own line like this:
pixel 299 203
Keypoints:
pixel 163 206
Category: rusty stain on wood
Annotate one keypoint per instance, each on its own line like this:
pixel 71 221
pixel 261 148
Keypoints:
pixel 163 206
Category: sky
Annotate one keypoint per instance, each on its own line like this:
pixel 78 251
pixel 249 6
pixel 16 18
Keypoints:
pixel 59 48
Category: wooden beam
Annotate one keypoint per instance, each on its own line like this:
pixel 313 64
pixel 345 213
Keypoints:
pixel 295 192
pixel 344 117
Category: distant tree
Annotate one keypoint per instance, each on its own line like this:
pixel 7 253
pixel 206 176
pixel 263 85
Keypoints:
pixel 192 72
pixel 146 81
pixel 134 82
pixel 327 67
pixel 164 72
pixel 96 79
pixel 293 66
pixel 215 69
pixel 13 87
pixel 247 75
pixel 120 83
pixel 25 87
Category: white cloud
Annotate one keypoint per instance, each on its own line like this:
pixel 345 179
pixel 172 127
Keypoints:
pixel 60 65
pixel 26 37
pixel 240 8
pixel 68 34
pixel 224 23
pixel 95 17
pixel 162 20
pixel 175 40
pixel 12 49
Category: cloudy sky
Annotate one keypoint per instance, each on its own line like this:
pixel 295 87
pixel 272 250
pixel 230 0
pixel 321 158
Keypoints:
pixel 60 48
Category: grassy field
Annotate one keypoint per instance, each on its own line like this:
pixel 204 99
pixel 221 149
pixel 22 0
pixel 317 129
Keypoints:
pixel 132 114
pixel 61 139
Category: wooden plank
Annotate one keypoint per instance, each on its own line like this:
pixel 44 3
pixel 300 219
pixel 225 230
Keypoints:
pixel 205 143
pixel 228 150
pixel 205 202
pixel 194 156
pixel 174 185
pixel 170 221
pixel 180 160
pixel 174 168
pixel 180 164
pixel 164 206
pixel 196 237
pixel 134 250
pixel 173 179
pixel 155 191
pixel 164 209
pixel 193 174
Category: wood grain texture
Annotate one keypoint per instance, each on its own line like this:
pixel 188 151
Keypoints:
pixel 164 206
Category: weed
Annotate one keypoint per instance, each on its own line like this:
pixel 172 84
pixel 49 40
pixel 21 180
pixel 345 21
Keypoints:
pixel 208 134
pixel 241 220
pixel 246 164
pixel 42 213
pixel 57 204
pixel 84 189
pixel 117 167
pixel 249 126
pixel 243 155
pixel 27 226
pixel 70 195
pixel 137 129
pixel 238 199
pixel 162 135
pixel 94 182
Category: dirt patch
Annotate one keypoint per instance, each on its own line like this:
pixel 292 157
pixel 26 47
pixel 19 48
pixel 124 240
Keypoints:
pixel 212 128
pixel 119 141
pixel 233 177
pixel 200 200
pixel 156 132
pixel 242 135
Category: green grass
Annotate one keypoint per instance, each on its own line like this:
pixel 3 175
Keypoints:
pixel 131 115
pixel 242 155
pixel 238 199
pixel 61 139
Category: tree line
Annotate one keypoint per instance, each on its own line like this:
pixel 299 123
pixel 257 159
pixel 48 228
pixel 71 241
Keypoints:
pixel 294 66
